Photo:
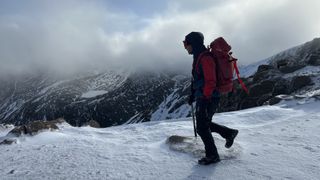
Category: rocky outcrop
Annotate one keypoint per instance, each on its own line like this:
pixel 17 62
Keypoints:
pixel 93 123
pixel 31 129
pixel 8 142
pixel 274 100
pixel 265 85
pixel 281 86
pixel 299 82
pixel 314 59
pixel 35 127
pixel 289 65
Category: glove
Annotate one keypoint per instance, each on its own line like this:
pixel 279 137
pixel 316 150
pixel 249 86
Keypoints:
pixel 191 99
pixel 230 94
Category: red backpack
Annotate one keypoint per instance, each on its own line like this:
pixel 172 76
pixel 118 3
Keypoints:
pixel 226 64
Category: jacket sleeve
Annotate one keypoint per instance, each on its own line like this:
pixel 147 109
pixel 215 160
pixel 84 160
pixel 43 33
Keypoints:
pixel 209 73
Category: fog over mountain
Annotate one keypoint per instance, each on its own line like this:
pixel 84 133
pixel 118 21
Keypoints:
pixel 75 36
pixel 114 98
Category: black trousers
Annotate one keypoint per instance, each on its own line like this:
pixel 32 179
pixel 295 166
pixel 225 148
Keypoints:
pixel 205 109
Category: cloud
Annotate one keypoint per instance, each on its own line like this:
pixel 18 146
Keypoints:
pixel 71 36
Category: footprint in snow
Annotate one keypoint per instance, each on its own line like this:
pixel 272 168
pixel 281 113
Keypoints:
pixel 195 147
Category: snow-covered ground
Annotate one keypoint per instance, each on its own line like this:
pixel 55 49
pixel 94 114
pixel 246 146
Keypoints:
pixel 275 142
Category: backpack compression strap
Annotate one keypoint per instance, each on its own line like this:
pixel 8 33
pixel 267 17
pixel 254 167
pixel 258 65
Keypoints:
pixel 239 79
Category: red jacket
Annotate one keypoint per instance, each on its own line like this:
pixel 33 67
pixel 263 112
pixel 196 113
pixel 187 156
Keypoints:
pixel 205 78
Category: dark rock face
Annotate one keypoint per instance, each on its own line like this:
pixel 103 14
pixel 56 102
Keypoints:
pixel 263 87
pixel 274 100
pixel 289 65
pixel 266 74
pixel 140 94
pixel 264 67
pixel 281 87
pixel 137 95
pixel 248 103
pixel 314 59
pixel 299 82
pixel 274 78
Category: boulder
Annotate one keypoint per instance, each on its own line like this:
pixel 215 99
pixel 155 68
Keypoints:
pixel 248 103
pixel 264 67
pixel 35 127
pixel 93 123
pixel 314 59
pixel 282 62
pixel 264 87
pixel 263 99
pixel 289 65
pixel 299 82
pixel 8 142
pixel 274 100
pixel 258 76
pixel 290 69
pixel 31 128
pixel 266 74
pixel 281 87
pixel 174 139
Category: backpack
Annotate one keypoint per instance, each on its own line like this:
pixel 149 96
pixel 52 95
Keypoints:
pixel 225 66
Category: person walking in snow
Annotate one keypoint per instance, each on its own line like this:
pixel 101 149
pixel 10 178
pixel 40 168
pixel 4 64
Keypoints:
pixel 207 97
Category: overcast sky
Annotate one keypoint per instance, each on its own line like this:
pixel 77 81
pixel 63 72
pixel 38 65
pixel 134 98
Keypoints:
pixel 69 35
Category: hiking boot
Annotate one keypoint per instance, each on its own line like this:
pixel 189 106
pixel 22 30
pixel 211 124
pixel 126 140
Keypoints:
pixel 230 139
pixel 209 160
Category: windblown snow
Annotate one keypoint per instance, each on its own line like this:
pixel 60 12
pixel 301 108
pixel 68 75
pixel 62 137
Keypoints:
pixel 91 94
pixel 275 142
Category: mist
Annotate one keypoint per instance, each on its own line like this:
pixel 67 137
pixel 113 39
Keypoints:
pixel 75 36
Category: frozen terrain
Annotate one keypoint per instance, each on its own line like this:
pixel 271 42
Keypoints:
pixel 275 142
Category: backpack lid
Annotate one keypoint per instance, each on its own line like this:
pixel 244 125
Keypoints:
pixel 220 44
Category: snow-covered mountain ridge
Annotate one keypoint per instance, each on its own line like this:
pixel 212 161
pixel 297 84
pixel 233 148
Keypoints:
pixel 275 142
pixel 114 98
pixel 303 52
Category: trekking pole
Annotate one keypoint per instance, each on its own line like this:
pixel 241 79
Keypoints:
pixel 194 121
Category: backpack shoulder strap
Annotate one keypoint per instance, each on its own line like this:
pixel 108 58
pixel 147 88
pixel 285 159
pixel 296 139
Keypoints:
pixel 206 53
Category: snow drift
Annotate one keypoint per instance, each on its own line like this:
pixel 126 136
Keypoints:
pixel 275 142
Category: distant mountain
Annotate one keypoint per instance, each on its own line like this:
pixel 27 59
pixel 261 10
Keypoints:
pixel 300 53
pixel 114 98
pixel 110 98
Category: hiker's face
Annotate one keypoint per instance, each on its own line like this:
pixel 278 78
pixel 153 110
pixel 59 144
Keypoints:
pixel 188 47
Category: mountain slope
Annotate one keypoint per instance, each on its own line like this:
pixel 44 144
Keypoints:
pixel 115 98
pixel 110 98
pixel 307 53
pixel 275 142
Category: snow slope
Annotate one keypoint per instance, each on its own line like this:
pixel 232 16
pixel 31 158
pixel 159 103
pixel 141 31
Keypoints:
pixel 275 142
